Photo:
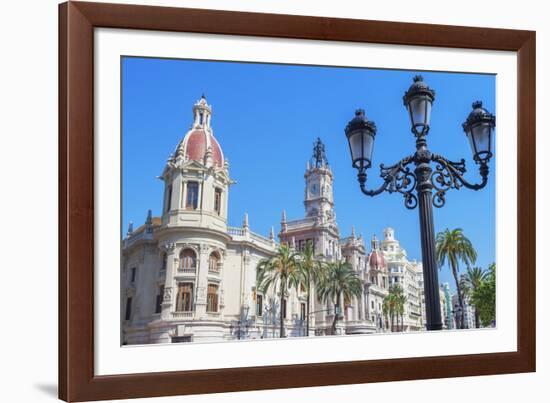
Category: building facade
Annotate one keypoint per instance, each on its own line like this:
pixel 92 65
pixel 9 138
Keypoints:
pixel 188 276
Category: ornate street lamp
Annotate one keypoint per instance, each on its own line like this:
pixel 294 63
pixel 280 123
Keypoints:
pixel 424 186
pixel 418 100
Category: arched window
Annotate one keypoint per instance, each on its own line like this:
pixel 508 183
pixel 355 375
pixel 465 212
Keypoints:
pixel 214 262
pixel 188 260
pixel 212 298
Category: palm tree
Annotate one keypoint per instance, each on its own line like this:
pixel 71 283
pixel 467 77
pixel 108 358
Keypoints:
pixel 311 270
pixel 452 247
pixel 401 301
pixel 471 282
pixel 339 283
pixel 393 304
pixel 388 308
pixel 279 272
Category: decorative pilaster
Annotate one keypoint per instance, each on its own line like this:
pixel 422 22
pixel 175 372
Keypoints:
pixel 168 303
pixel 201 281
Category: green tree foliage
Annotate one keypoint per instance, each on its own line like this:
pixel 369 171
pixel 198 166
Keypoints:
pixel 338 284
pixel 470 283
pixel 452 247
pixel 394 305
pixel 280 272
pixel 311 270
pixel 483 298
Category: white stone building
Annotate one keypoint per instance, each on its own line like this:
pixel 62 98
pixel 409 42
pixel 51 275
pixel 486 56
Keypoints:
pixel 404 272
pixel 469 313
pixel 187 276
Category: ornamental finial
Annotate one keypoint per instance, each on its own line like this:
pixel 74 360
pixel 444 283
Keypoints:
pixel 319 154
pixel 130 228
pixel 418 78
pixel 477 104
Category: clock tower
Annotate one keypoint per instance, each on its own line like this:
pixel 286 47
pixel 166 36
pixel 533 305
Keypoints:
pixel 319 199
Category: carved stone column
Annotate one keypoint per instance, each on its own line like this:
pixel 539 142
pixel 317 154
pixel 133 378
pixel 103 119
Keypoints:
pixel 168 300
pixel 201 281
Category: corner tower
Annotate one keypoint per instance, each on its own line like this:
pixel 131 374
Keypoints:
pixel 319 199
pixel 196 177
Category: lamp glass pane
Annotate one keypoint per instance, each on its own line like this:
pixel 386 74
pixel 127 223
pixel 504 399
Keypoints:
pixel 471 141
pixel 368 145
pixel 418 111
pixel 361 144
pixel 355 145
pixel 481 136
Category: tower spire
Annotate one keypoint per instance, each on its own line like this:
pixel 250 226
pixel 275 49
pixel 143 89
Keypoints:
pixel 319 157
pixel 283 222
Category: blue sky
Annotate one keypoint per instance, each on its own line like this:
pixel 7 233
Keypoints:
pixel 266 118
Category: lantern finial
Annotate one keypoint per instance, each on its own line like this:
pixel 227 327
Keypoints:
pixel 477 104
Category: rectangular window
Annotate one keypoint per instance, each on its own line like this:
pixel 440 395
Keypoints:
pixel 128 308
pixel 182 339
pixel 259 305
pixel 284 308
pixel 192 201
pixel 303 311
pixel 212 298
pixel 133 275
pixel 158 303
pixel 185 297
pixel 218 201
pixel 164 262
pixel 168 203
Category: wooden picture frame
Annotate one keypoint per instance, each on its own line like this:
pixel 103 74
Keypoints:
pixel 77 21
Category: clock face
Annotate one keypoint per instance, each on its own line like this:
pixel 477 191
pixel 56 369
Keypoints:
pixel 314 189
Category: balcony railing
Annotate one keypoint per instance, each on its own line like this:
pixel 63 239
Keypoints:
pixel 189 270
pixel 235 231
pixel 182 315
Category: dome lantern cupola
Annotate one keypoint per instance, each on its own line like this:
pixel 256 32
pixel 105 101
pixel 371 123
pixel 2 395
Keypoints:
pixel 199 144
pixel 202 113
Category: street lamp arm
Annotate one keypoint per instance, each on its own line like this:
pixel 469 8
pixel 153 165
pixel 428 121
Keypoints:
pixel 450 175
pixel 397 178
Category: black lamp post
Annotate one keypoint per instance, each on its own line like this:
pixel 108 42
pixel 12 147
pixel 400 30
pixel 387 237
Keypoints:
pixel 458 315
pixel 243 318
pixel 430 185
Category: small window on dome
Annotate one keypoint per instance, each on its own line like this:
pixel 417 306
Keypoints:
pixel 192 196
pixel 217 200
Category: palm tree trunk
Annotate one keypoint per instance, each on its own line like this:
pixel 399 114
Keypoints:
pixel 308 303
pixel 335 320
pixel 307 313
pixel 477 319
pixel 281 317
pixel 459 294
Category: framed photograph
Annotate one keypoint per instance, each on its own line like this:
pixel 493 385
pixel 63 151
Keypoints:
pixel 257 201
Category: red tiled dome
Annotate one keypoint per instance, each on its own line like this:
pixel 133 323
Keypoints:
pixel 196 143
pixel 376 260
